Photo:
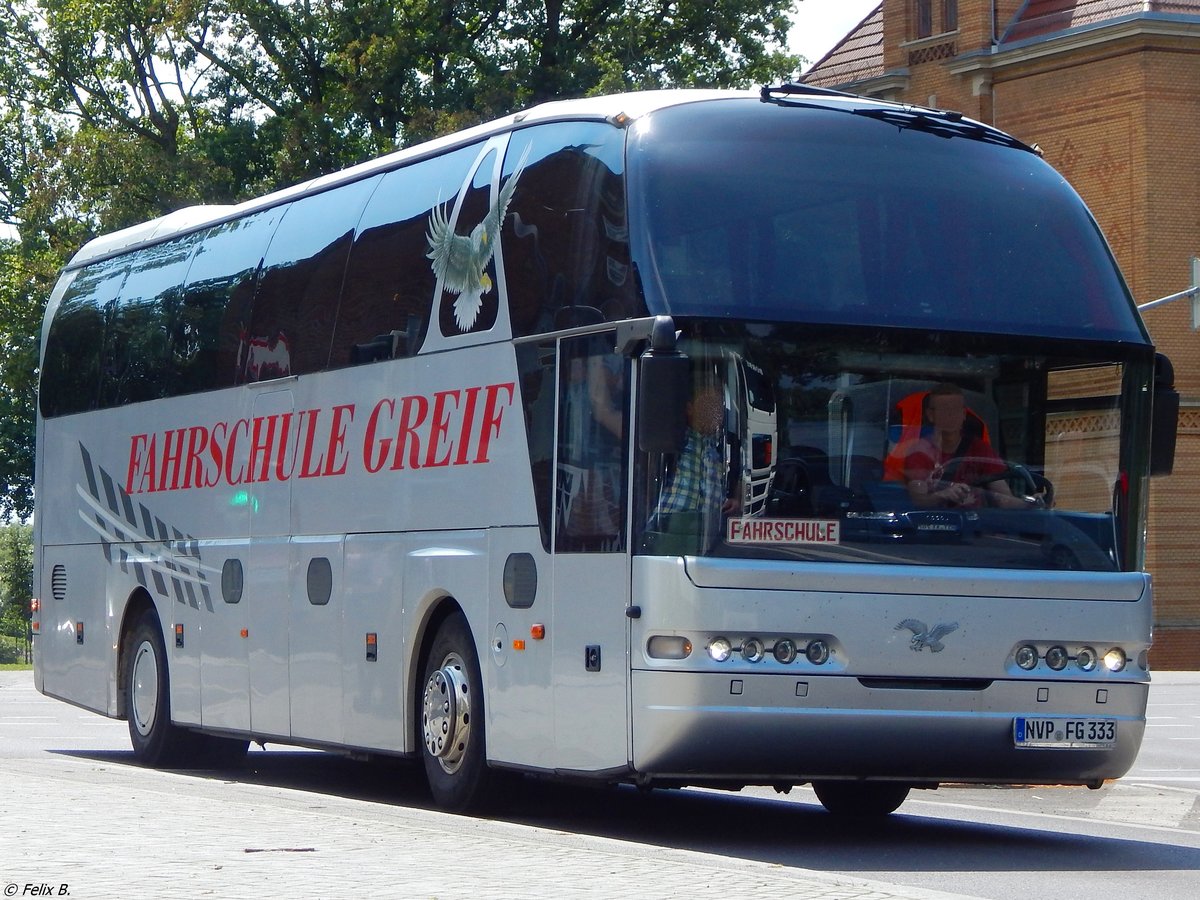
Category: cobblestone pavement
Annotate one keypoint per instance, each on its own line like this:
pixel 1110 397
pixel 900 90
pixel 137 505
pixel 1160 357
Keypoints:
pixel 87 826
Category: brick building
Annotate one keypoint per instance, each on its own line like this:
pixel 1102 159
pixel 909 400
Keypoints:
pixel 1110 91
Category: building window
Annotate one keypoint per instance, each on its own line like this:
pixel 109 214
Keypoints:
pixel 949 15
pixel 924 18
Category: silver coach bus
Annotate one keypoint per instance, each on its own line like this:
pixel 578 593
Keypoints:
pixel 680 438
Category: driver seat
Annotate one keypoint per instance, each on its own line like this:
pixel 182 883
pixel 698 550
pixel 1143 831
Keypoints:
pixel 907 427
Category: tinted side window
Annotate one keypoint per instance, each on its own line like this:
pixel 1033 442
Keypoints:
pixel 593 404
pixel 565 238
pixel 537 363
pixel 140 342
pixel 291 326
pixel 389 285
pixel 74 347
pixel 215 317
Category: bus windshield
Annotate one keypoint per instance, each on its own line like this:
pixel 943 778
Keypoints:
pixel 882 447
pixel 767 212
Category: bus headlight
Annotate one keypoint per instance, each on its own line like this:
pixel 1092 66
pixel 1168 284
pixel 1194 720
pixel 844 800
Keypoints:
pixel 1027 657
pixel 1086 659
pixel 720 649
pixel 817 652
pixel 785 651
pixel 1114 659
pixel 752 650
pixel 1057 658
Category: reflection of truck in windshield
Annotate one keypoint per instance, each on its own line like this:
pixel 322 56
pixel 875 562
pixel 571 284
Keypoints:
pixel 752 433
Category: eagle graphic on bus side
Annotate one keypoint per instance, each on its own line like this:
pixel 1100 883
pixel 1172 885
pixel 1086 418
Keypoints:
pixel 460 261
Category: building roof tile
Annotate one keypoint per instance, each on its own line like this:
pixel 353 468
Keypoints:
pixel 856 57
pixel 859 55
pixel 1040 18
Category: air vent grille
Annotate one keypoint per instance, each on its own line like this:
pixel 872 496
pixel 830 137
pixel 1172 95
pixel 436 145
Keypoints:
pixel 58 582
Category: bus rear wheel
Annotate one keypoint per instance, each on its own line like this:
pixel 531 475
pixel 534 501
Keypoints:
pixel 156 740
pixel 861 798
pixel 451 720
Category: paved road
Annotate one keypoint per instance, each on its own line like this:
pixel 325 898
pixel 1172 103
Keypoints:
pixel 75 811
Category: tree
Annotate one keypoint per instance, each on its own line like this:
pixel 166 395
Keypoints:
pixel 107 121
pixel 347 80
pixel 25 281
pixel 115 112
pixel 16 582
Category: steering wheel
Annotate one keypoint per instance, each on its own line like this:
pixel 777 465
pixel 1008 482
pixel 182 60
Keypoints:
pixel 1036 487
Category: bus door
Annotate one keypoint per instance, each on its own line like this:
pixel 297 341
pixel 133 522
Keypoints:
pixel 267 575
pixel 591 566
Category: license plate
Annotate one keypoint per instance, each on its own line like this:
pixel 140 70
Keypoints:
pixel 1064 733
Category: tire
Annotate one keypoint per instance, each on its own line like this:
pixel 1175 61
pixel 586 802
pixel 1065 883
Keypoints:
pixel 861 798
pixel 450 720
pixel 156 741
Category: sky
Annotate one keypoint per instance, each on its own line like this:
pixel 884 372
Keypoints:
pixel 819 24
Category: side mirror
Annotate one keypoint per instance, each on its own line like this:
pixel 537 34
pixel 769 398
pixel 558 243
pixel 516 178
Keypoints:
pixel 1165 422
pixel 664 388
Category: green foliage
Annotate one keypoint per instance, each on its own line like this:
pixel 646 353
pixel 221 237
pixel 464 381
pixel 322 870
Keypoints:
pixel 112 113
pixel 16 587
pixel 26 276
pixel 16 574
pixel 115 112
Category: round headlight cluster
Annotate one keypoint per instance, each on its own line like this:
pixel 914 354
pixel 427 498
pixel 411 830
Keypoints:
pixel 1058 657
pixel 754 650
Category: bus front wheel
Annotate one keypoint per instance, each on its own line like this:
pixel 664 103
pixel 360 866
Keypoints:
pixel 451 719
pixel 861 798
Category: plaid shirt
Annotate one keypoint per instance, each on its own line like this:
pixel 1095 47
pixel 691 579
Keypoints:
pixel 698 484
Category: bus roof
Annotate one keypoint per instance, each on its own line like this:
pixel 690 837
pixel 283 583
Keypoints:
pixel 617 108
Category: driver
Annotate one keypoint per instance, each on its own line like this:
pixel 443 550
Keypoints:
pixel 954 466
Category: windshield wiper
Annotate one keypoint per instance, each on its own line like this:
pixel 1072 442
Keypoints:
pixel 943 123
pixel 940 122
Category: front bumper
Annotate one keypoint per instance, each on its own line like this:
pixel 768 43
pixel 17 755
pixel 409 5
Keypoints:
pixel 771 729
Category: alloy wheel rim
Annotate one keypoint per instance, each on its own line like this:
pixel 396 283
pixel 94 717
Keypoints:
pixel 446 714
pixel 144 686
